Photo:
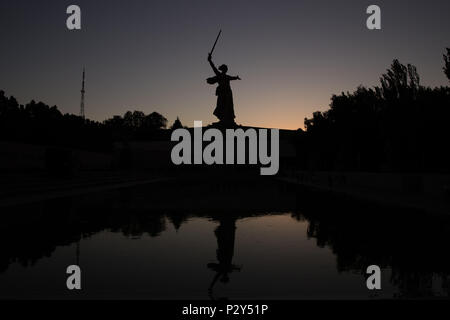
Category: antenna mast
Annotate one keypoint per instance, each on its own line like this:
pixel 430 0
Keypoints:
pixel 82 95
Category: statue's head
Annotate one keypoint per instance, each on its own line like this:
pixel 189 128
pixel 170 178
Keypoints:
pixel 223 68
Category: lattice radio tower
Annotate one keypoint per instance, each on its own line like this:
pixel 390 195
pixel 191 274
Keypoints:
pixel 82 96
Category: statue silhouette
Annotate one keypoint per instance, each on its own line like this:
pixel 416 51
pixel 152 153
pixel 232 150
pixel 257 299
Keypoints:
pixel 225 106
pixel 225 234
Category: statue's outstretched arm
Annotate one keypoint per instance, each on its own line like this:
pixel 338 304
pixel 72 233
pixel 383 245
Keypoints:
pixel 235 78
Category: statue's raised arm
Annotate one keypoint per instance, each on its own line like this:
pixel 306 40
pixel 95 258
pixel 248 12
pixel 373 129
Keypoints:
pixel 211 63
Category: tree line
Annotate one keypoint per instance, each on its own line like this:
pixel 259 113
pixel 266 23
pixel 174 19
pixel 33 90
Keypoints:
pixel 38 123
pixel 398 125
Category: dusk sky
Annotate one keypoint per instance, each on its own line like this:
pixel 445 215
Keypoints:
pixel 151 55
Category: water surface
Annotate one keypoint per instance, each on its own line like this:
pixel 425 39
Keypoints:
pixel 246 240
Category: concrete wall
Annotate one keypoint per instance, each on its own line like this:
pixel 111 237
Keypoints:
pixel 25 157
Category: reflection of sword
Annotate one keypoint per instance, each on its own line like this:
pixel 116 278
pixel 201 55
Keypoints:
pixel 217 39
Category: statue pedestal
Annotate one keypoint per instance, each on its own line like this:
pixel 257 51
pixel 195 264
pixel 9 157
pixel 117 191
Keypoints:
pixel 222 125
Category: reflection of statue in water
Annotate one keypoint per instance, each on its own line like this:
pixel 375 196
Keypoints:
pixel 225 106
pixel 225 234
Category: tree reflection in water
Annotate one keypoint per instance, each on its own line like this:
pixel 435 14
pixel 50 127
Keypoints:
pixel 412 245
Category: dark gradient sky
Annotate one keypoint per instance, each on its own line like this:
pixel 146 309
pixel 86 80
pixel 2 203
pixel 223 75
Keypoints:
pixel 151 55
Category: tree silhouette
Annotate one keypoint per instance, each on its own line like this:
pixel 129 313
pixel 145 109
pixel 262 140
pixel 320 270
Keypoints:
pixel 447 63
pixel 155 121
pixel 399 125
pixel 399 81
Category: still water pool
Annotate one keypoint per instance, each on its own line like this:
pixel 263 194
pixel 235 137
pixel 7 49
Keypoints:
pixel 230 240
